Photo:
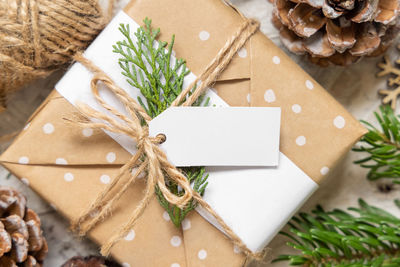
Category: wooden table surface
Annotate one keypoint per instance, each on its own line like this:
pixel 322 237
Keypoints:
pixel 355 87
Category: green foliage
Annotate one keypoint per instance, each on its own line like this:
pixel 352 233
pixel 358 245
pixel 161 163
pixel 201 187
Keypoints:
pixel 147 64
pixel 340 239
pixel 382 146
pixel 196 176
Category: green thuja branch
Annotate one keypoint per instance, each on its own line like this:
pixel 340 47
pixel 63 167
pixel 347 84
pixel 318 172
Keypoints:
pixel 149 66
pixel 382 146
pixel 198 178
pixel 370 238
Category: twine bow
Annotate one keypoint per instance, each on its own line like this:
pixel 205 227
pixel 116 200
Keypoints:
pixel 149 157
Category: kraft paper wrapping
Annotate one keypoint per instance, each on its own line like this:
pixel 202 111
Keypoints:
pixel 69 166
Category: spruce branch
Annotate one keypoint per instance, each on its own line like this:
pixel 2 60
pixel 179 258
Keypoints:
pixel 148 66
pixel 368 236
pixel 382 147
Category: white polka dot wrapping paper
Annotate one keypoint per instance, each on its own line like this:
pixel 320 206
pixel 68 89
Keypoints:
pixel 69 166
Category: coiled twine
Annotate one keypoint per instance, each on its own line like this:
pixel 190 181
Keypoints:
pixel 38 36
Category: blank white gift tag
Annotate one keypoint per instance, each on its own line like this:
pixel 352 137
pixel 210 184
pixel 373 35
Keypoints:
pixel 219 136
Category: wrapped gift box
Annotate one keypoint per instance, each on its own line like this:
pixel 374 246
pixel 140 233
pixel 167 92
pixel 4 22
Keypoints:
pixel 69 166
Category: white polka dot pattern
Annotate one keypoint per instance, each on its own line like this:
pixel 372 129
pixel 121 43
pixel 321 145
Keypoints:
pixel 23 160
pixel 248 98
pixel 204 35
pixel 69 177
pixel 242 52
pixel 186 224
pixel 140 176
pixel 166 216
pixel 105 179
pixel 175 241
pixel 111 157
pixel 339 122
pixel 309 84
pixel 269 96
pixel 175 265
pixel 61 161
pixel 296 108
pixel 87 132
pixel 324 170
pixel 276 60
pixel 25 181
pixel 130 236
pixel 301 140
pixel 202 255
pixel 125 264
pixel 48 128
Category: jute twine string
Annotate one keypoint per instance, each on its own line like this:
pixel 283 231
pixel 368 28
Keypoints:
pixel 149 157
pixel 37 36
pixel 218 64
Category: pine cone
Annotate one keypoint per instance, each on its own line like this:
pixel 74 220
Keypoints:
pixel 337 31
pixel 21 239
pixel 90 261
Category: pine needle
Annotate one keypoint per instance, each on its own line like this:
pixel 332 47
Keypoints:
pixel 382 147
pixel 337 238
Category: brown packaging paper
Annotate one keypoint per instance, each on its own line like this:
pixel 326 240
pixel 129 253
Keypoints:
pixel 69 166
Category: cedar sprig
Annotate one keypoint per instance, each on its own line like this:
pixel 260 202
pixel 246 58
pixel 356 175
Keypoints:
pixel 382 146
pixel 366 236
pixel 198 178
pixel 148 65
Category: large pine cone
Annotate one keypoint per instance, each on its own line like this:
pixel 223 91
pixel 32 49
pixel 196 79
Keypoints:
pixel 21 239
pixel 337 31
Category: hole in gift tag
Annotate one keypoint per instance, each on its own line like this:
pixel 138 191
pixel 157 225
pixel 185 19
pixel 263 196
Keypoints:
pixel 161 137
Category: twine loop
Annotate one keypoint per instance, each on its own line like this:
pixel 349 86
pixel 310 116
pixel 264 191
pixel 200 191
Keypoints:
pixel 156 163
pixel 149 157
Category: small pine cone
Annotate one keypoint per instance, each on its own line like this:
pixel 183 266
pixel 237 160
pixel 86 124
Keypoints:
pixel 338 32
pixel 21 239
pixel 90 261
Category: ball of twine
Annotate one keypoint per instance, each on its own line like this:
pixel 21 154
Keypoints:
pixel 37 36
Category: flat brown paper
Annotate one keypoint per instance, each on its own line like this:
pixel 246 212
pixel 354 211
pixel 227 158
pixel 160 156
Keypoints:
pixel 316 132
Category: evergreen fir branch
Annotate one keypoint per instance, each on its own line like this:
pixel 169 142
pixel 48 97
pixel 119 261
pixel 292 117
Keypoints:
pixel 382 147
pixel 338 238
pixel 148 66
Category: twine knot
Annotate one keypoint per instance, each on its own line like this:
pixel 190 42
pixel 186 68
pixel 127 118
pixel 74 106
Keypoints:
pixel 149 157
pixel 155 163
